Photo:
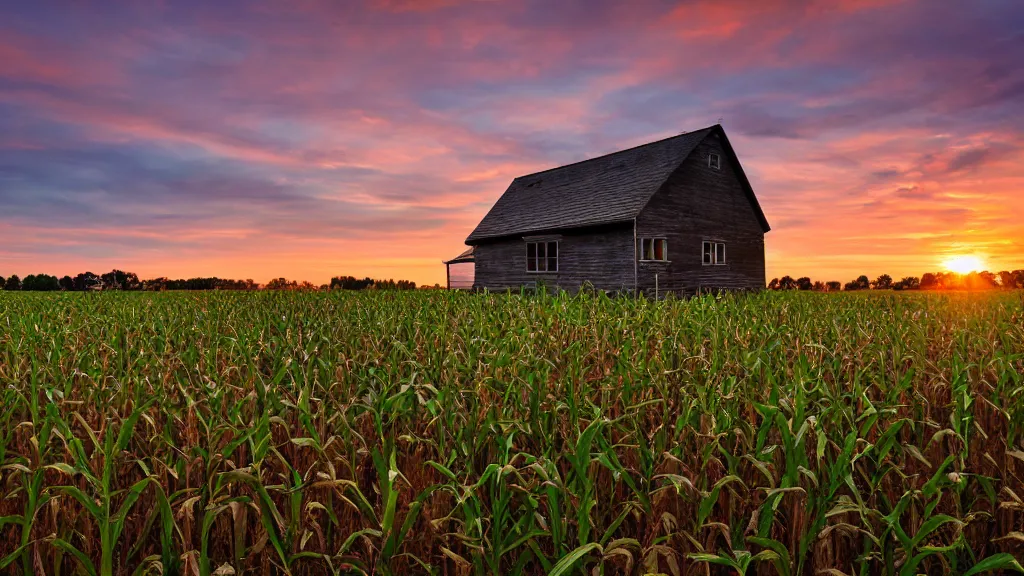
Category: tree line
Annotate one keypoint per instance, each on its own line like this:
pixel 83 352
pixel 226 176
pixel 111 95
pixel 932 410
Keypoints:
pixel 930 281
pixel 121 280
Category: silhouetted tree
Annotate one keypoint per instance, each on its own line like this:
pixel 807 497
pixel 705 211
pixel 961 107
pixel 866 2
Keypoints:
pixel 907 283
pixel 818 286
pixel 281 284
pixel 774 284
pixel 350 283
pixel 120 280
pixel 883 282
pixel 40 283
pixel 2 282
pixel 67 283
pixel 861 283
pixel 1006 279
pixel 787 283
pixel 984 280
pixel 804 283
pixel 87 281
pixel 833 286
pixel 13 283
pixel 928 281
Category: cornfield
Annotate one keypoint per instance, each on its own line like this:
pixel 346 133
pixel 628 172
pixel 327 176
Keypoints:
pixel 448 433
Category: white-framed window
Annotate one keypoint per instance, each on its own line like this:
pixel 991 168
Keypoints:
pixel 542 256
pixel 713 253
pixel 654 249
pixel 714 161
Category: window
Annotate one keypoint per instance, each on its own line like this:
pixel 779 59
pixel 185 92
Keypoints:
pixel 542 256
pixel 714 161
pixel 714 253
pixel 654 249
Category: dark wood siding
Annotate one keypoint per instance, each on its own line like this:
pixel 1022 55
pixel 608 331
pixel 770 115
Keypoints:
pixel 602 256
pixel 700 203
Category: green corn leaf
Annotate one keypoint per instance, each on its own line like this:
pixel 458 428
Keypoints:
pixel 1001 561
pixel 83 561
pixel 565 564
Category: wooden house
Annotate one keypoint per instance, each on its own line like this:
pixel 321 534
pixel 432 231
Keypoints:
pixel 676 215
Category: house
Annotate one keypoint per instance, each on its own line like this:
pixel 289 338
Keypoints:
pixel 676 215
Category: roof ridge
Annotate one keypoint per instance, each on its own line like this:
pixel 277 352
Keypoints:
pixel 618 184
pixel 689 133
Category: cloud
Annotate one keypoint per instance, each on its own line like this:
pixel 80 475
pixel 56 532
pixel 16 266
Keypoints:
pixel 967 159
pixel 268 136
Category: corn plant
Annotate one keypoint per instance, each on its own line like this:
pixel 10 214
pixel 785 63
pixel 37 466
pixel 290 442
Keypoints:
pixel 450 433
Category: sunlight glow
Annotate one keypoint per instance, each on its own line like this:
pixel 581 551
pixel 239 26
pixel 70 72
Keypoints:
pixel 963 264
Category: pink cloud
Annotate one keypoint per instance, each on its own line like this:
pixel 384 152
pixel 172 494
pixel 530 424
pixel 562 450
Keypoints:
pixel 410 118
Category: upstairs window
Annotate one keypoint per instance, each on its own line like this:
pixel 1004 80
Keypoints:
pixel 654 249
pixel 542 256
pixel 714 253
pixel 714 161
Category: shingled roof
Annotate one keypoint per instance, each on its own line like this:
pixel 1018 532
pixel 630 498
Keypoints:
pixel 603 190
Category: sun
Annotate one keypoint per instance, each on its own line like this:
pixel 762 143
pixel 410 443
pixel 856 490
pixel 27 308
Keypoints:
pixel 963 264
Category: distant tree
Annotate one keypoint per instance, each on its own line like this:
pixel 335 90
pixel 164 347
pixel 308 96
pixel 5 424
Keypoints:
pixel 804 283
pixel 861 283
pixel 40 283
pixel 214 283
pixel 833 286
pixel 281 284
pixel 353 283
pixel 774 284
pixel 120 280
pixel 67 283
pixel 13 283
pixel 928 281
pixel 350 283
pixel 787 283
pixel 1006 279
pixel 883 282
pixel 1018 278
pixel 907 283
pixel 818 286
pixel 985 280
pixel 2 282
pixel 87 281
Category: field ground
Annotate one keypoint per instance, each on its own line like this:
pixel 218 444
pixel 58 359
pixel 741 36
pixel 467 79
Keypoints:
pixel 345 433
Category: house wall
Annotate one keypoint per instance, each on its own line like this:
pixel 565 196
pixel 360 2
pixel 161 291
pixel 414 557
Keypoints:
pixel 700 203
pixel 602 256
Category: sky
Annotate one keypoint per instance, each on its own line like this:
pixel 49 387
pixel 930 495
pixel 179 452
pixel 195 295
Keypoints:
pixel 314 138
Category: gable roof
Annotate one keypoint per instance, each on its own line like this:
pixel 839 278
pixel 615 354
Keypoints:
pixel 603 190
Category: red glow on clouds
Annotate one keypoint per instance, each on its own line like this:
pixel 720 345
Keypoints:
pixel 315 139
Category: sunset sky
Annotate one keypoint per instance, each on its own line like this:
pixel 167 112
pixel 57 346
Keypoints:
pixel 313 138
